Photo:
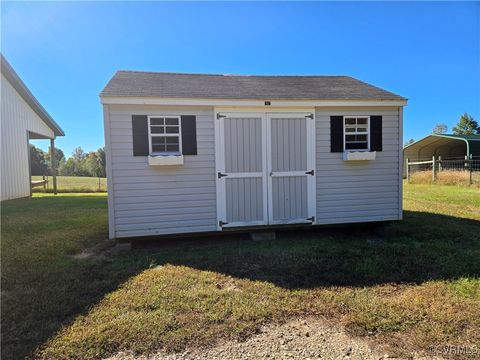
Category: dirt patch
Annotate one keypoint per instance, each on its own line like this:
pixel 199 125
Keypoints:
pixel 105 248
pixel 297 339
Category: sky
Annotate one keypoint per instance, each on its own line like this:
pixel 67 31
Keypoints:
pixel 65 52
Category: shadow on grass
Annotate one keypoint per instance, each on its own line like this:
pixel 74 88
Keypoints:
pixel 422 247
pixel 43 285
pixel 39 297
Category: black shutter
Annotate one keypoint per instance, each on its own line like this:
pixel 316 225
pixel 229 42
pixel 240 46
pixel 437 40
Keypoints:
pixel 375 133
pixel 189 135
pixel 140 135
pixel 336 133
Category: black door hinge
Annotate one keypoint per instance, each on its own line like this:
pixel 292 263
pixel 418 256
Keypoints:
pixel 221 223
pixel 219 116
pixel 311 172
pixel 220 175
pixel 312 219
pixel 309 116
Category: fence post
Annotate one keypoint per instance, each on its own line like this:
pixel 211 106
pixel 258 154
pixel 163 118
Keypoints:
pixel 439 163
pixel 470 169
pixel 408 169
pixel 433 168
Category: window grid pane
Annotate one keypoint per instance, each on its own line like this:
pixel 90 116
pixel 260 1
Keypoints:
pixel 356 133
pixel 165 134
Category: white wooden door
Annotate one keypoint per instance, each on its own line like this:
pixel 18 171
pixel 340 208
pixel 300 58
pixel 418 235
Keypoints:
pixel 291 168
pixel 265 168
pixel 241 170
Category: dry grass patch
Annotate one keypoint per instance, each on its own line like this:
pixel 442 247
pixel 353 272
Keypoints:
pixel 73 184
pixel 446 177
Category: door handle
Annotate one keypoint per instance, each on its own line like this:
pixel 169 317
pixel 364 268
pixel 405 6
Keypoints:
pixel 311 172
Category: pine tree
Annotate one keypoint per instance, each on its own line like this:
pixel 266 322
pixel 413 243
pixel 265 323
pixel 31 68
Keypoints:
pixel 466 126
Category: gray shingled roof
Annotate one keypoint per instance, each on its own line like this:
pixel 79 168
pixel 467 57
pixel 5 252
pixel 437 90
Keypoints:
pixel 173 85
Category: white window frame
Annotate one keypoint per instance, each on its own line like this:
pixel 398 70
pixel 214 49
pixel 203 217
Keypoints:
pixel 356 133
pixel 179 135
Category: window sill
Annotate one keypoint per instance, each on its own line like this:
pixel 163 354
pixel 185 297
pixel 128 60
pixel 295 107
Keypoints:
pixel 352 155
pixel 164 160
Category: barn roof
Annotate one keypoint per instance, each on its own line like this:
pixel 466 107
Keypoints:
pixel 25 93
pixel 247 87
pixel 433 141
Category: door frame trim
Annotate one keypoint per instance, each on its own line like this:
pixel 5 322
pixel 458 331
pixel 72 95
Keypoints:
pixel 311 165
pixel 219 126
pixel 262 113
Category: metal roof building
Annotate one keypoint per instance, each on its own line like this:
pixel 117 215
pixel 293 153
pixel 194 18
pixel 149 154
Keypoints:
pixel 22 118
pixel 445 145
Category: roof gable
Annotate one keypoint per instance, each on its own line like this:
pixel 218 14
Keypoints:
pixel 25 93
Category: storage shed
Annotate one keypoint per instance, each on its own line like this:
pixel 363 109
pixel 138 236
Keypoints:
pixel 192 153
pixel 22 118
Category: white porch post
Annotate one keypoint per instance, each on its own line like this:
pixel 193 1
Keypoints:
pixel 52 164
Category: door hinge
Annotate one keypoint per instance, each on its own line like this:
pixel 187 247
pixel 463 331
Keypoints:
pixel 221 223
pixel 311 172
pixel 309 116
pixel 312 219
pixel 220 175
pixel 219 116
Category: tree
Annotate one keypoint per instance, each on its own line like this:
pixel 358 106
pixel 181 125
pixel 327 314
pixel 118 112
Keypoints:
pixel 95 163
pixel 59 158
pixel 78 154
pixel 67 168
pixel 79 162
pixel 102 161
pixel 466 126
pixel 411 141
pixel 38 165
pixel 440 128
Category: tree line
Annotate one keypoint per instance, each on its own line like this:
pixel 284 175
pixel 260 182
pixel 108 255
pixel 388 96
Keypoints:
pixel 79 163
pixel 466 125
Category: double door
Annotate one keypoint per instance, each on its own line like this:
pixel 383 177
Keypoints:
pixel 265 168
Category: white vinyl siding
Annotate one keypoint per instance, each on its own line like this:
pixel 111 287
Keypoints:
pixel 358 191
pixel 17 119
pixel 149 200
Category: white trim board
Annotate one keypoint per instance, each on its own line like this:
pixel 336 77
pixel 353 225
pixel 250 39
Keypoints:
pixel 132 100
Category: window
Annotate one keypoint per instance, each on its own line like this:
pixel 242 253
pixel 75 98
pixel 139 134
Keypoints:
pixel 356 132
pixel 164 134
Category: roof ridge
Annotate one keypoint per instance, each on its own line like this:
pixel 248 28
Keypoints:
pixel 233 75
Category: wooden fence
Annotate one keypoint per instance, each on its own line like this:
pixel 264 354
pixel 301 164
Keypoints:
pixel 436 165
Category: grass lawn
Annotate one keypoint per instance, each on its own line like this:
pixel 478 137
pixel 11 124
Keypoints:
pixel 412 285
pixel 73 184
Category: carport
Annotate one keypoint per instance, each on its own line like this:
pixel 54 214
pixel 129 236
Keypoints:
pixel 446 146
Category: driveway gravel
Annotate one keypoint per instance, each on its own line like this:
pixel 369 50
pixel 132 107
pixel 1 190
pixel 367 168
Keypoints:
pixel 297 339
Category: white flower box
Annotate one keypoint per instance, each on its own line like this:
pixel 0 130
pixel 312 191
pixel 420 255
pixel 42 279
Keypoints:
pixel 162 160
pixel 359 155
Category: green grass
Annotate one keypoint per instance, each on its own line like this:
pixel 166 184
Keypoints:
pixel 409 285
pixel 73 184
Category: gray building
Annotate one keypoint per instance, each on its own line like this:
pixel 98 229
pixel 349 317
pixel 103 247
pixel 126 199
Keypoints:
pixel 191 153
